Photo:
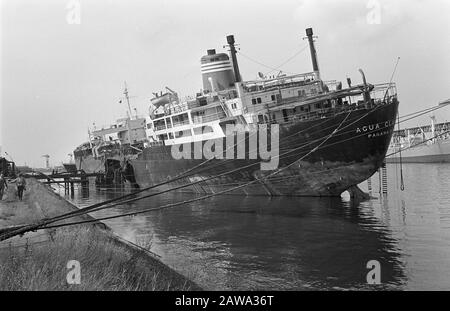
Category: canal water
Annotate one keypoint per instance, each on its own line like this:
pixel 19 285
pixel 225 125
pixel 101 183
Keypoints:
pixel 256 243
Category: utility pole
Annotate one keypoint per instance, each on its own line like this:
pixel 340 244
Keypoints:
pixel 47 160
pixel 128 99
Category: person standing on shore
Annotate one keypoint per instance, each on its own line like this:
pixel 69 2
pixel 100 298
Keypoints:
pixel 3 186
pixel 20 184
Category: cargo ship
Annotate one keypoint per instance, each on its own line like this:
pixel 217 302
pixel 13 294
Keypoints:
pixel 422 144
pixel 328 138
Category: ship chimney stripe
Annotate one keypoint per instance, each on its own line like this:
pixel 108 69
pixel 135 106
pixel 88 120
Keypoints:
pixel 216 70
pixel 217 67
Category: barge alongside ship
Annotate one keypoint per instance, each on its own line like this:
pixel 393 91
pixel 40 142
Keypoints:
pixel 330 138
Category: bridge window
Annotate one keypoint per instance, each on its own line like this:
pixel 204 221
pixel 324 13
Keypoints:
pixel 180 119
pixel 185 133
pixel 163 137
pixel 302 93
pixel 160 125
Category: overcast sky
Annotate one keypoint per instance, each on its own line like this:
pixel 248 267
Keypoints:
pixel 58 76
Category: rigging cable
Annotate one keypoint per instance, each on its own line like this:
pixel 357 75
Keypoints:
pixel 279 66
pixel 402 183
pixel 175 204
pixel 94 206
pixel 84 210
pixel 34 227
pixel 206 196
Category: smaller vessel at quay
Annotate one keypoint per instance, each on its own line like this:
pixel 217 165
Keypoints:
pixel 423 144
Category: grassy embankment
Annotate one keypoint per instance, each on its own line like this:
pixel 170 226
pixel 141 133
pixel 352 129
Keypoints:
pixel 38 261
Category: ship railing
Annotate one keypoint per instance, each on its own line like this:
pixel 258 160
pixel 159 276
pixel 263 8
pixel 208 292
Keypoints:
pixel 160 127
pixel 322 113
pixel 383 91
pixel 180 123
pixel 155 143
pixel 303 77
pixel 311 98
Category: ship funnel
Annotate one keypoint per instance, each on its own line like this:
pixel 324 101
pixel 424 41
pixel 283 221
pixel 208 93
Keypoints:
pixel 217 71
pixel 310 36
pixel 237 74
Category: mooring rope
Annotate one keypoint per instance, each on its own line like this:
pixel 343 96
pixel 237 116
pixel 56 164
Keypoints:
pixel 93 207
pixel 402 183
pixel 34 227
pixel 206 196
pixel 90 208
pixel 185 173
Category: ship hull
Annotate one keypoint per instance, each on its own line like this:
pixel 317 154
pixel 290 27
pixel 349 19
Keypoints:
pixel 438 152
pixel 342 160
pixel 89 164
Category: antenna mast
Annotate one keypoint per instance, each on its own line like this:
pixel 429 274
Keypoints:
pixel 310 36
pixel 125 91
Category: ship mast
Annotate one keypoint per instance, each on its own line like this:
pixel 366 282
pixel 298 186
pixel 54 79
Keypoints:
pixel 310 36
pixel 125 91
pixel 231 44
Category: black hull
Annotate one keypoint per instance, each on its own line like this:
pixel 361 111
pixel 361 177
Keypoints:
pixel 347 158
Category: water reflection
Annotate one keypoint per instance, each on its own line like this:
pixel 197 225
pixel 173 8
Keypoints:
pixel 234 242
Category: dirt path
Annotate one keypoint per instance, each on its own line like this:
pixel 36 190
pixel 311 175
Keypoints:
pixel 15 212
pixel 111 263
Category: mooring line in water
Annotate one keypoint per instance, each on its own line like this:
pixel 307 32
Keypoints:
pixel 402 183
